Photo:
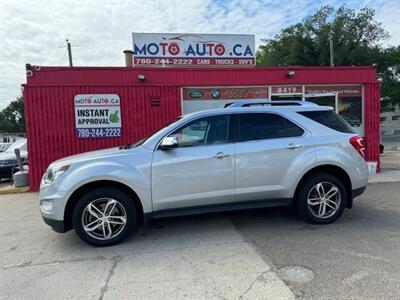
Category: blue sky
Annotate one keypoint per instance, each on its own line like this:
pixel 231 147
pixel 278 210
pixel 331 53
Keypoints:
pixel 32 31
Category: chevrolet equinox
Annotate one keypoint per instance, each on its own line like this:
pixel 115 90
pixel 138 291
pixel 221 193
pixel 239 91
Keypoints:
pixel 209 161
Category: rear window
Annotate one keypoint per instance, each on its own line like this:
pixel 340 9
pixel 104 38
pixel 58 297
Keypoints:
pixel 330 119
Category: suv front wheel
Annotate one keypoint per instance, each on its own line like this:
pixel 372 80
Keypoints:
pixel 321 199
pixel 104 216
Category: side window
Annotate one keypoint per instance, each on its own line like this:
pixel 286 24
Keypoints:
pixel 292 129
pixel 329 119
pixel 261 126
pixel 204 131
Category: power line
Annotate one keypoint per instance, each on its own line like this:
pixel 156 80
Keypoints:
pixel 62 59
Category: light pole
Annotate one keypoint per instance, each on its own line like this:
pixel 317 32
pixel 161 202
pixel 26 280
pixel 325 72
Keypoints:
pixel 331 57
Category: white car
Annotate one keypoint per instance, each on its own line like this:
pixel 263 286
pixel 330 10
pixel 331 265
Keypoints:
pixel 8 160
pixel 208 161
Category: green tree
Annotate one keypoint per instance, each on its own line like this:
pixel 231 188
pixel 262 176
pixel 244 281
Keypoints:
pixel 12 117
pixel 389 73
pixel 357 40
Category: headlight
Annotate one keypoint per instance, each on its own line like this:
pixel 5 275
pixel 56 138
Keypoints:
pixel 53 173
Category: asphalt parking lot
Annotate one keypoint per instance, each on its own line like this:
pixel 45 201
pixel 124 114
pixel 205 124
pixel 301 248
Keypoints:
pixel 256 254
pixel 202 257
pixel 357 257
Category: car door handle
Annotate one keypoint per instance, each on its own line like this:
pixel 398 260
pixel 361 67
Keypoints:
pixel 292 146
pixel 221 155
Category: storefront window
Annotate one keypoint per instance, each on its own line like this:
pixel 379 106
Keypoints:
pixel 322 100
pixel 350 109
pixel 286 97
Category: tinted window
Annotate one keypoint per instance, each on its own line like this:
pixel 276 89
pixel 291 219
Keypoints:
pixel 330 119
pixel 261 126
pixel 292 129
pixel 204 131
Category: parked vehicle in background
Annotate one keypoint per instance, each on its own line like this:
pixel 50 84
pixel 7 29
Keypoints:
pixel 215 160
pixel 4 146
pixel 381 146
pixel 8 160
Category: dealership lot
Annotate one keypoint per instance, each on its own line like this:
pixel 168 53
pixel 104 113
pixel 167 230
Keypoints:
pixel 257 254
pixel 357 257
pixel 194 257
pixel 213 256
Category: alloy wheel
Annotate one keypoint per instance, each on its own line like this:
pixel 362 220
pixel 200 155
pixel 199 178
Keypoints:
pixel 104 218
pixel 324 200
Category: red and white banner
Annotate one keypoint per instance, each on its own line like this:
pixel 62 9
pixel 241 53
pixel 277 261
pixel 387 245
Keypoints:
pixel 169 49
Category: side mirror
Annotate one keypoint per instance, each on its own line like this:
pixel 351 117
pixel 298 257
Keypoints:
pixel 168 143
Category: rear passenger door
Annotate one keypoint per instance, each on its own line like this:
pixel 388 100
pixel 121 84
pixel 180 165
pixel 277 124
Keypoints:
pixel 268 154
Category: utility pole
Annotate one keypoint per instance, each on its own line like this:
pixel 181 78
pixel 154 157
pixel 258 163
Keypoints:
pixel 331 50
pixel 69 49
pixel 69 53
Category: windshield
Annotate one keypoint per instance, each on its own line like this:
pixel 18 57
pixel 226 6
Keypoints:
pixel 21 144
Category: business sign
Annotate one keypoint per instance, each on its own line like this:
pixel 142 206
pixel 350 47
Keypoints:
pixel 169 49
pixel 97 116
pixel 341 90
pixel 226 93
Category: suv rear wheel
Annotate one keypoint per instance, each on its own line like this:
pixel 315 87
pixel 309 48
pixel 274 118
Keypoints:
pixel 104 216
pixel 321 199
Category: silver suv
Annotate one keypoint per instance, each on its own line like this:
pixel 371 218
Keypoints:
pixel 216 160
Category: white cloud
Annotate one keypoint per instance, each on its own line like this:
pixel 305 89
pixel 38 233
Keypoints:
pixel 32 31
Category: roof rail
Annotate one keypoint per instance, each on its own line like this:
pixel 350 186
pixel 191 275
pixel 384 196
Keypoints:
pixel 247 103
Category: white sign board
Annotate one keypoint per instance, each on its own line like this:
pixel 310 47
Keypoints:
pixel 97 116
pixel 168 49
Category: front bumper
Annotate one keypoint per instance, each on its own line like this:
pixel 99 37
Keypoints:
pixel 52 207
pixel 56 225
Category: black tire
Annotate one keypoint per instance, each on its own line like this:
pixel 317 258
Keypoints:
pixel 306 188
pixel 105 192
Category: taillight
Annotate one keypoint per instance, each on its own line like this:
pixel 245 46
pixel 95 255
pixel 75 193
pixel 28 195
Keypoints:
pixel 359 144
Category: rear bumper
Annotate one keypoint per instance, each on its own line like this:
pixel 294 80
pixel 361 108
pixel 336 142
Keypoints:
pixel 56 225
pixel 355 193
pixel 358 192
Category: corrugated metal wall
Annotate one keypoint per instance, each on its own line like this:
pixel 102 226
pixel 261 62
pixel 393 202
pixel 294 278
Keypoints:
pixel 108 76
pixel 50 120
pixel 372 108
pixel 50 91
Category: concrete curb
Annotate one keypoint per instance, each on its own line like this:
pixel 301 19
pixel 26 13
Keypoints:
pixel 13 190
pixel 386 176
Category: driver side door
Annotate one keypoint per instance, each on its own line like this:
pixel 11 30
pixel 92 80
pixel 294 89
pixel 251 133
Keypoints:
pixel 200 170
